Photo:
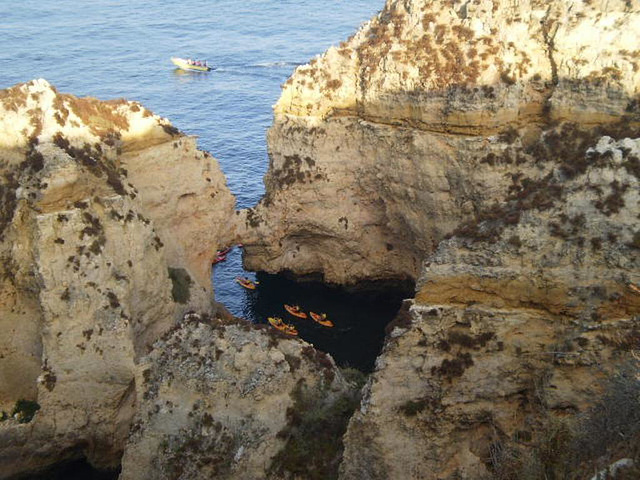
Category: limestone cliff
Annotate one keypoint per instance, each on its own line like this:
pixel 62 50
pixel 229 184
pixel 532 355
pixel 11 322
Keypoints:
pixel 383 145
pixel 489 150
pixel 226 399
pixel 100 253
pixel 516 328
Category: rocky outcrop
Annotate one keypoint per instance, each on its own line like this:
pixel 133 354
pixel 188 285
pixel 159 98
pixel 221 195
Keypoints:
pixel 515 324
pixel 489 150
pixel 475 393
pixel 98 259
pixel 226 399
pixel 183 191
pixel 382 146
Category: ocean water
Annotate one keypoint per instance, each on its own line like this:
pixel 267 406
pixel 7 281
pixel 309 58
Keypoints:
pixel 116 48
pixel 359 317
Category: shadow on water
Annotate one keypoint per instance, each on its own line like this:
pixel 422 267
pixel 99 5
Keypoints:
pixel 359 317
pixel 73 470
pixel 191 75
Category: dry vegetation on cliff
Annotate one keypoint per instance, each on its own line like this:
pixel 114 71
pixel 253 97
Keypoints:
pixel 87 264
pixel 256 398
pixel 574 448
pixel 490 150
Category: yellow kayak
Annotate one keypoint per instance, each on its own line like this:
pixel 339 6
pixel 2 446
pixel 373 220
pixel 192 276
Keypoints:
pixel 321 319
pixel 295 311
pixel 185 65
pixel 246 283
pixel 283 327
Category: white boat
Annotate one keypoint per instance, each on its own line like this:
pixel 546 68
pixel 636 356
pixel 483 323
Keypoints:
pixel 185 65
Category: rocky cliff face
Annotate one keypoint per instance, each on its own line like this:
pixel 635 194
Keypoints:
pixel 489 150
pixel 226 399
pixel 515 325
pixel 99 256
pixel 382 146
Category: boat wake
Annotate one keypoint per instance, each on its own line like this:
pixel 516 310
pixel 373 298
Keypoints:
pixel 276 64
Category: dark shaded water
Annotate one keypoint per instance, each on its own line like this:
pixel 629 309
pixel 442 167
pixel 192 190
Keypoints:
pixel 73 470
pixel 359 316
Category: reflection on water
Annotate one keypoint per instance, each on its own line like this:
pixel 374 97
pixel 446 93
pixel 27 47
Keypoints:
pixel 191 75
pixel 359 317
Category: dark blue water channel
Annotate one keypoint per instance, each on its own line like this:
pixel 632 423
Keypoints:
pixel 359 316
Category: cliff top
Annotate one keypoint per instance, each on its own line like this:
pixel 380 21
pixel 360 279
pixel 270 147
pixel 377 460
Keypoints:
pixel 425 48
pixel 36 110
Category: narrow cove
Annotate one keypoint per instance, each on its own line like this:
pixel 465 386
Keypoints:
pixel 359 315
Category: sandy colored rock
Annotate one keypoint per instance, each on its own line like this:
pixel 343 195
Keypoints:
pixel 175 185
pixel 383 145
pixel 92 272
pixel 456 382
pixel 516 324
pixel 221 399
pixel 489 151
pixel 184 192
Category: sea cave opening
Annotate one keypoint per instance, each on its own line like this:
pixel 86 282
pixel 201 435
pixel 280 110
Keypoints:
pixel 76 469
pixel 359 315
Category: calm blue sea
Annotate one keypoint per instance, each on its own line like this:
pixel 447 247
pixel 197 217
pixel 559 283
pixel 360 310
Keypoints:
pixel 117 48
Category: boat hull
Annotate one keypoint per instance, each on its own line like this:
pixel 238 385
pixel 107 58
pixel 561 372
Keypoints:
pixel 249 285
pixel 321 319
pixel 283 327
pixel 295 312
pixel 219 258
pixel 184 65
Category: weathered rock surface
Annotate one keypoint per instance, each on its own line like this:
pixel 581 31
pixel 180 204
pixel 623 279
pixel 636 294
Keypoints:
pixel 489 150
pixel 514 323
pixel 98 258
pixel 382 146
pixel 224 399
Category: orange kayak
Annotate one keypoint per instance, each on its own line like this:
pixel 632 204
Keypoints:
pixel 321 319
pixel 246 283
pixel 283 327
pixel 295 311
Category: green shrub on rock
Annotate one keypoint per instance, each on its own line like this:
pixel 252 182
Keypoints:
pixel 316 424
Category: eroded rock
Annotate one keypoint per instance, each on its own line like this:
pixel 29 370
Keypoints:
pixel 488 150
pixel 384 145
pixel 515 330
pixel 231 400
pixel 92 272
